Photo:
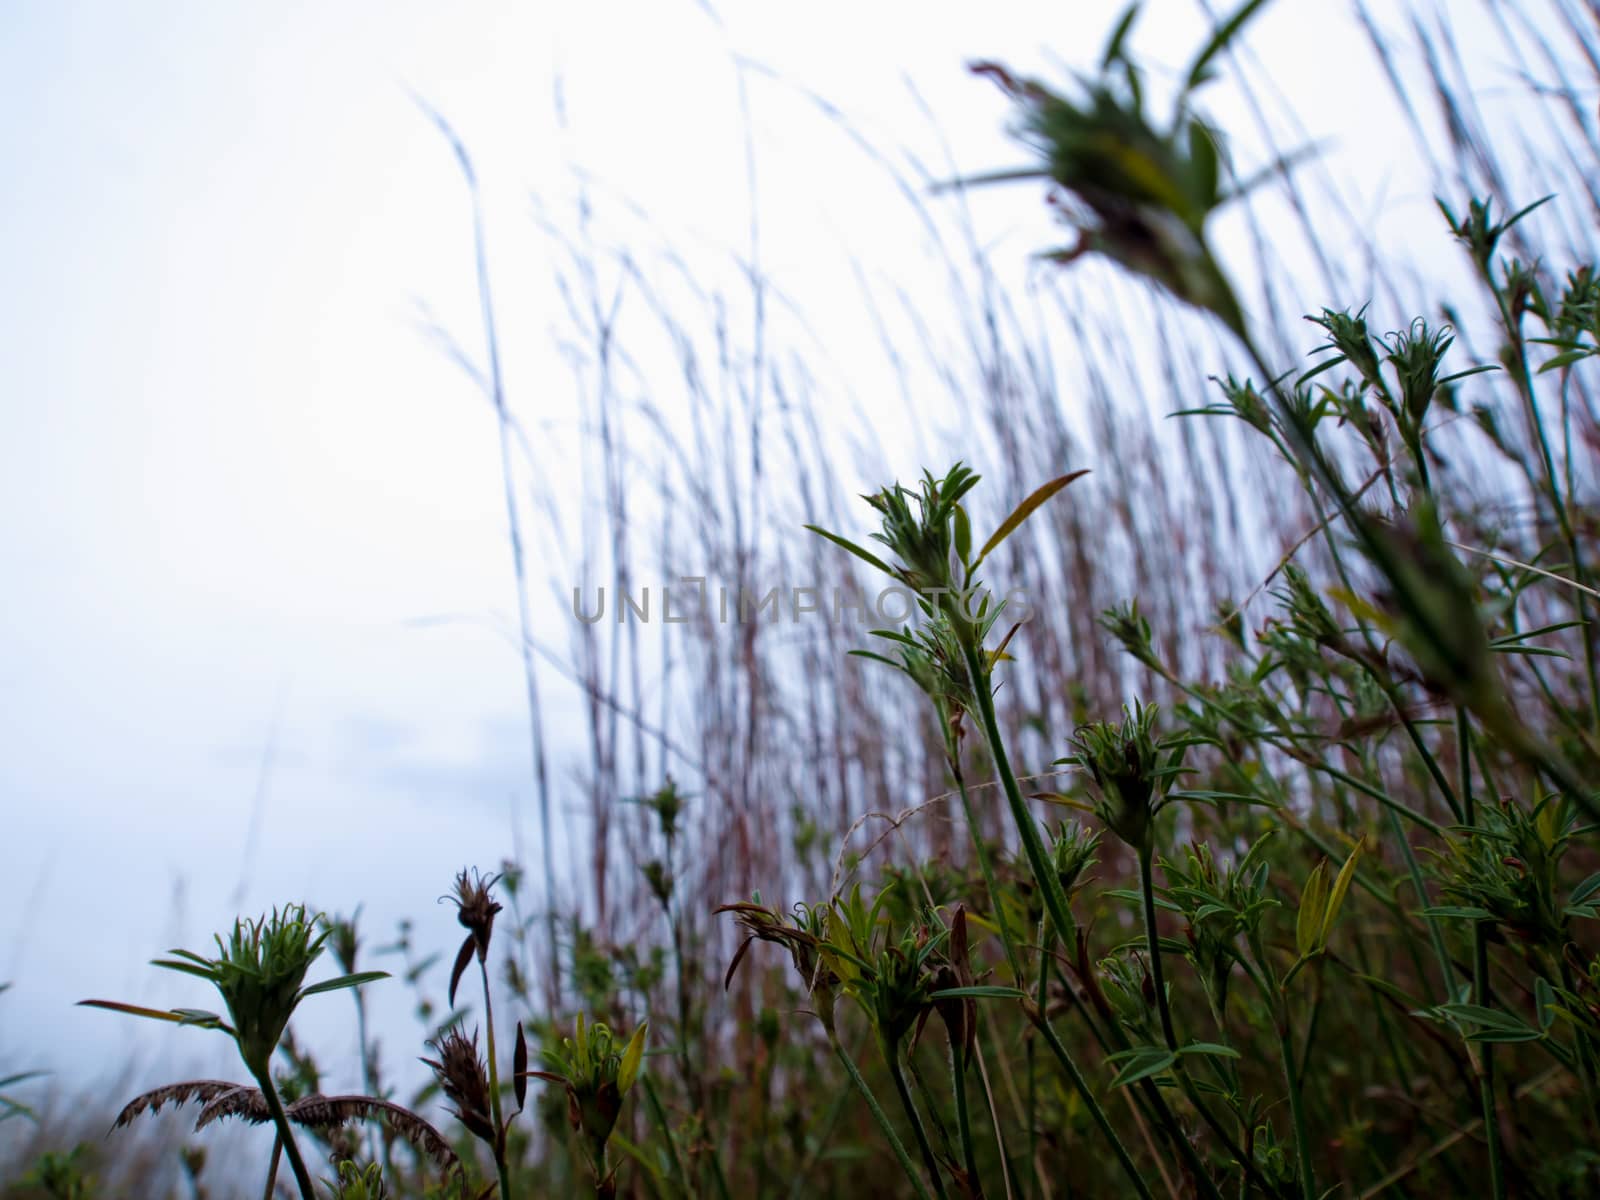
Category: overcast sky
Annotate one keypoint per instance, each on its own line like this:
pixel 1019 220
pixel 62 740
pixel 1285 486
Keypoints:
pixel 236 475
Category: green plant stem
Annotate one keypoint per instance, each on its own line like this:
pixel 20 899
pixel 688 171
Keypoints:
pixel 369 1078
pixel 1581 1047
pixel 895 1144
pixel 1523 378
pixel 1169 1033
pixel 1055 902
pixel 986 866
pixel 1049 886
pixel 1491 1122
pixel 302 1177
pixel 1435 934
pixel 891 1058
pixel 717 1175
pixel 930 1105
pixel 1102 1122
pixel 494 1085
pixel 969 1155
pixel 1480 972
pixel 272 1169
pixel 1152 938
pixel 802 1175
pixel 1297 1109
pixel 658 1114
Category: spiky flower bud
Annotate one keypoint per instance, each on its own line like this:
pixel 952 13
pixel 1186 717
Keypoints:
pixel 1125 763
pixel 259 974
pixel 1072 852
pixel 659 880
pixel 1130 628
pixel 597 1071
pixel 924 539
pixel 359 1183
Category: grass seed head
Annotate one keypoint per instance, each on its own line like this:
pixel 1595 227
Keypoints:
pixel 462 1074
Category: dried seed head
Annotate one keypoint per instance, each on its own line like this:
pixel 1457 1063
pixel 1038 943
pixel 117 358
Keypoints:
pixel 475 909
pixel 465 1080
pixel 800 935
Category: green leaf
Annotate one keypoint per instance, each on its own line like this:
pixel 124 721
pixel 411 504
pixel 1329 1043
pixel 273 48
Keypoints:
pixel 631 1057
pixel 1204 158
pixel 1478 370
pixel 1517 216
pixel 1398 995
pixel 1458 912
pixel 1217 798
pixel 978 992
pixel 865 556
pixel 1023 511
pixel 1525 1034
pixel 1138 898
pixel 1544 999
pixel 343 981
pixel 1216 1049
pixel 176 1016
pixel 192 957
pixel 199 1016
pixel 1585 889
pixel 206 973
pixel 1313 908
pixel 1530 651
pixel 1524 634
pixel 1496 1026
pixel 888 662
pixel 1565 359
pixel 1141 1063
pixel 1341 885
pixel 1225 33
pixel 1119 36
pixel 963 535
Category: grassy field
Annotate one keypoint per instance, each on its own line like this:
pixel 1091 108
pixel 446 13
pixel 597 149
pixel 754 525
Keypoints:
pixel 1214 816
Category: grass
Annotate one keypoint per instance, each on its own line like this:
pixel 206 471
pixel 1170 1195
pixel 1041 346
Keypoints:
pixel 1304 906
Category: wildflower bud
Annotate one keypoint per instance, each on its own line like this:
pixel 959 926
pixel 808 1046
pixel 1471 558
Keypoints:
pixel 1129 627
pixel 259 975
pixel 1072 851
pixel 1416 354
pixel 1123 761
pixel 1349 339
pixel 658 879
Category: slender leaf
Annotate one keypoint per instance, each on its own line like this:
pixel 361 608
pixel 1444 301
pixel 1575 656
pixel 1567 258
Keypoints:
pixel 1024 510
